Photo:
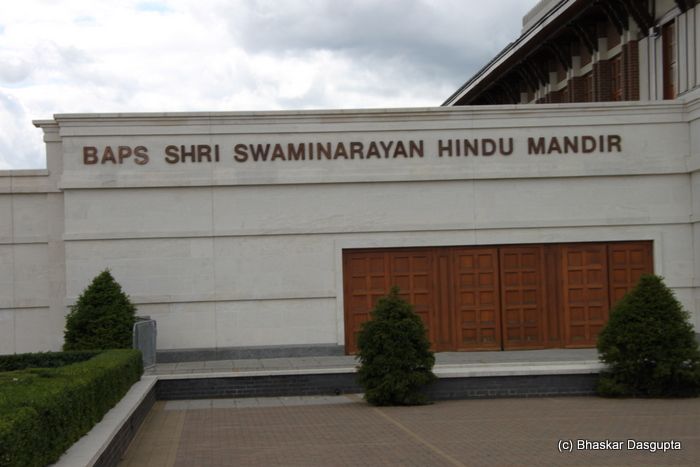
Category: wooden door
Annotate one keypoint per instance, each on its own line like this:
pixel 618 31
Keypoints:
pixel 366 280
pixel 488 298
pixel 628 261
pixel 585 292
pixel 522 297
pixel 476 298
pixel 412 272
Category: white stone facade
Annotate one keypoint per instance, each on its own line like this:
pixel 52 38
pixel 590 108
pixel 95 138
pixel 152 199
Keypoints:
pixel 231 254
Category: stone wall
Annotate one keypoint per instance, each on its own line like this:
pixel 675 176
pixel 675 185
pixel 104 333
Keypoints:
pixel 240 254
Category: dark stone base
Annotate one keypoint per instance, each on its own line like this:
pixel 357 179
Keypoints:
pixel 513 386
pixel 120 442
pixel 346 383
pixel 257 386
pixel 240 353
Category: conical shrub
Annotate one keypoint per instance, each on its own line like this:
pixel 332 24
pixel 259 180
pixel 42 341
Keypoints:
pixel 102 318
pixel 649 345
pixel 394 351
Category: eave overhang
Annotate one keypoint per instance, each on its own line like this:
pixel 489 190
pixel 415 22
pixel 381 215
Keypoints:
pixel 558 17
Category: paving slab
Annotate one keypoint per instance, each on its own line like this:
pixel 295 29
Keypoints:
pixel 220 364
pixel 558 431
pixel 190 366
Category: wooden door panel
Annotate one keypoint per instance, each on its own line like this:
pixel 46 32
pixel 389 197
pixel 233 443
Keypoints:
pixel 477 303
pixel 366 280
pixel 369 275
pixel 522 297
pixel 412 272
pixel 443 323
pixel 585 293
pixel 628 262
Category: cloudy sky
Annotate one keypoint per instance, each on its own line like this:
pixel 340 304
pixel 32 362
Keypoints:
pixel 64 56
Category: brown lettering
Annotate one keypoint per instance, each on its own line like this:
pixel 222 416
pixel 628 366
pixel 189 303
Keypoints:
pixel 340 151
pixel 471 147
pixel 587 144
pixel 400 150
pixel 488 147
pixel 89 155
pixel 570 144
pixel 240 153
pixel 444 149
pixel 504 151
pixel 141 155
pixel 296 153
pixel 554 146
pixel 416 149
pixel 324 150
pixel 386 148
pixel 184 154
pixel 259 152
pixel 614 142
pixel 203 150
pixel 108 155
pixel 123 152
pixel 278 153
pixel 373 151
pixel 356 149
pixel 535 147
pixel 172 156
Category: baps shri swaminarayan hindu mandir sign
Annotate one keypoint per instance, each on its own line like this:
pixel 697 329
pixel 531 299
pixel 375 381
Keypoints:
pixel 354 150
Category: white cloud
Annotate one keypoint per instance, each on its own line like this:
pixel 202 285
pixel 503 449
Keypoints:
pixel 178 55
pixel 21 145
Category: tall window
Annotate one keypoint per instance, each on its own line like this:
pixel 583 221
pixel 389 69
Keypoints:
pixel 670 62
pixel 616 78
pixel 588 90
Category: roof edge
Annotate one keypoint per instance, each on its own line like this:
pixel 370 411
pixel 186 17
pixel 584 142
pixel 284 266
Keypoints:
pixel 511 48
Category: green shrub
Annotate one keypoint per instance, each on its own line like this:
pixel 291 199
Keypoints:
pixel 43 359
pixel 44 411
pixel 394 351
pixel 102 318
pixel 649 345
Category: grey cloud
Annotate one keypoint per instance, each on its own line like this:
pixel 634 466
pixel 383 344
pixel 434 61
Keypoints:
pixel 50 58
pixel 434 41
pixel 14 70
pixel 18 147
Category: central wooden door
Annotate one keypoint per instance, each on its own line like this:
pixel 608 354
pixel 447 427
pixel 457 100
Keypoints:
pixel 477 305
pixel 523 297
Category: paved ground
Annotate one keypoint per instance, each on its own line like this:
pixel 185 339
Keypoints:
pixel 343 430
pixel 443 359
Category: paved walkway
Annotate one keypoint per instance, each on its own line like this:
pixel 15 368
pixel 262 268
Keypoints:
pixel 345 431
pixel 443 360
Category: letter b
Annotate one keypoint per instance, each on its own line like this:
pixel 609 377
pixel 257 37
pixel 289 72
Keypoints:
pixel 89 155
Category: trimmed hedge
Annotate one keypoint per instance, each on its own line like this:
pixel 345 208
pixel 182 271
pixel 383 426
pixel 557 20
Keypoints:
pixel 43 411
pixel 43 359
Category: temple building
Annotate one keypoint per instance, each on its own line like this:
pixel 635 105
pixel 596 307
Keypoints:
pixel 512 217
pixel 593 51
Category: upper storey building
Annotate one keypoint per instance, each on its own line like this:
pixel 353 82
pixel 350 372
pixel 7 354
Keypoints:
pixel 594 51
